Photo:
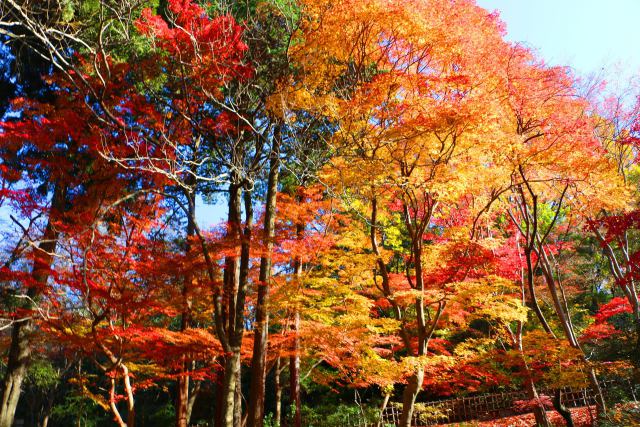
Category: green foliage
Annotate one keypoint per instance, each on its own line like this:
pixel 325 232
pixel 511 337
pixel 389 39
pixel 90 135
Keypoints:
pixel 43 375
pixel 624 414
pixel 337 415
pixel 163 416
pixel 79 410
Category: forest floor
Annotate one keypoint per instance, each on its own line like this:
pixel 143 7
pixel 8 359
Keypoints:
pixel 580 416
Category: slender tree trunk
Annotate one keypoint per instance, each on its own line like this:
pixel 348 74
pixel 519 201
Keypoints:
pixel 22 330
pixel 538 411
pixel 409 397
pixel 601 404
pixel 277 418
pixel 231 284
pixel 532 393
pixel 182 392
pixel 533 299
pixel 131 414
pixel 261 333
pixel 294 374
pixel 629 289
pixel 385 402
pixel 562 410
pixel 182 398
pixel 416 231
pixel 237 409
pixel 19 355
pixel 232 382
pixel 192 399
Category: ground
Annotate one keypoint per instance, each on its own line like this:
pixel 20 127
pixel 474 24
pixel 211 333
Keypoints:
pixel 581 418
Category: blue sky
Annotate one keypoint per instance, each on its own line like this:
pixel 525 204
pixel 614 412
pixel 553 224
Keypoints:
pixel 584 34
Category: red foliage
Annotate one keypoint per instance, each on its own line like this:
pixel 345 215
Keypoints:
pixel 616 306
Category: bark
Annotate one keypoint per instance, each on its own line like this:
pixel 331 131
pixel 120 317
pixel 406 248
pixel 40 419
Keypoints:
pixel 416 230
pixel 385 402
pixel 409 397
pixel 552 285
pixel 261 333
pixel 131 414
pixel 237 409
pixel 182 392
pixel 533 299
pixel 628 287
pixel 182 399
pixel 22 330
pixel 562 410
pixel 192 399
pixel 538 411
pixel 294 374
pixel 113 406
pixel 237 287
pixel 277 418
pixel 232 286
pixel 601 404
pixel 19 355
pixel 231 375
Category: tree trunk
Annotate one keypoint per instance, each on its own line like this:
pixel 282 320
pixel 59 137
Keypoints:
pixel 182 398
pixel 22 330
pixel 236 300
pixel 231 371
pixel 538 411
pixel 277 418
pixel 237 409
pixel 385 402
pixel 294 374
pixel 409 397
pixel 532 394
pixel 19 355
pixel 562 410
pixel 131 414
pixel 182 392
pixel 261 333
pixel 601 404
pixel 232 290
pixel 192 399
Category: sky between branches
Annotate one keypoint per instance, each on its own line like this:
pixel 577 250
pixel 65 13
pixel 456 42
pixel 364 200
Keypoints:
pixel 584 34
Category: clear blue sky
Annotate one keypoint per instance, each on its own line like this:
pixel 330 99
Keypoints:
pixel 585 35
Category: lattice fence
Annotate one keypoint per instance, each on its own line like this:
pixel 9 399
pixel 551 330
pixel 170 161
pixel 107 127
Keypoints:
pixel 487 406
